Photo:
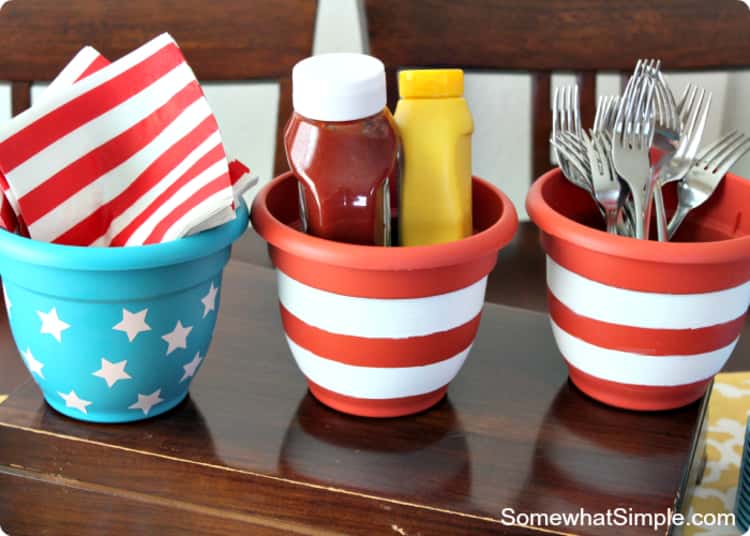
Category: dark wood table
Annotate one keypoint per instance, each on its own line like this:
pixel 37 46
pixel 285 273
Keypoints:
pixel 251 452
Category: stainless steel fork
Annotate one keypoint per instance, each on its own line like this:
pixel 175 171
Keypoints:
pixel 712 164
pixel 673 167
pixel 566 118
pixel 666 133
pixel 606 110
pixel 571 149
pixel 632 136
pixel 668 124
pixel 677 163
pixel 607 188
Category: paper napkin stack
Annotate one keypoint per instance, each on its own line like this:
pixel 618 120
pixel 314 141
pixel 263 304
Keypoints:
pixel 118 154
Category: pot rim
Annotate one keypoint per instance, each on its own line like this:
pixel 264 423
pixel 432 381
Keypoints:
pixel 355 256
pixel 559 226
pixel 101 259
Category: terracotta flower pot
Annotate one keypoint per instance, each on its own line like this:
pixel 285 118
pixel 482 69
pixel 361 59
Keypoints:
pixel 641 324
pixel 380 331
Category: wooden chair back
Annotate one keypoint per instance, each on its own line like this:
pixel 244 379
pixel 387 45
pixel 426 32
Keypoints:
pixel 542 36
pixel 223 40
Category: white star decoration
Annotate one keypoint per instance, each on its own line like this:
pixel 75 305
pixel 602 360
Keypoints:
pixel 191 367
pixel 34 365
pixel 8 304
pixel 146 402
pixel 209 300
pixel 72 401
pixel 133 323
pixel 112 372
pixel 177 338
pixel 52 325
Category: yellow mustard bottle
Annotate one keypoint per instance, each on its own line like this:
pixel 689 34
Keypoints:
pixel 435 127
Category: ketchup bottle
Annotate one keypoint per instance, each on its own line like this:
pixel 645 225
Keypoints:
pixel 341 144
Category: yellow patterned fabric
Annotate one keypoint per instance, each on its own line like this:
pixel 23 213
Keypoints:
pixel 728 410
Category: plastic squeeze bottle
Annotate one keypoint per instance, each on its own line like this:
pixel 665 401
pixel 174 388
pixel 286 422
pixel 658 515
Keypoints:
pixel 341 143
pixel 435 126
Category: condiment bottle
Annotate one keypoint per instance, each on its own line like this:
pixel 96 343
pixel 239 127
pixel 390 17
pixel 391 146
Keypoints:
pixel 435 126
pixel 341 143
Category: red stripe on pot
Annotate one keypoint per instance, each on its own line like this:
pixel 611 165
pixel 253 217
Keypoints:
pixel 656 342
pixel 367 407
pixel 376 352
pixel 637 397
pixel 378 283
pixel 377 272
pixel 637 274
pixel 714 255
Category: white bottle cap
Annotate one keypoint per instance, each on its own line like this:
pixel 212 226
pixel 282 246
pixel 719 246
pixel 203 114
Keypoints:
pixel 338 87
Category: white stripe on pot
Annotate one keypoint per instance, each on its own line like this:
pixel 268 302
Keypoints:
pixel 395 318
pixel 638 369
pixel 645 309
pixel 375 382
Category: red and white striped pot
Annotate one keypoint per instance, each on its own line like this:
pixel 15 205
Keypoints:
pixel 641 324
pixel 377 331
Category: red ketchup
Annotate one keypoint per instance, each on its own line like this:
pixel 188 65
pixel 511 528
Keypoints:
pixel 341 143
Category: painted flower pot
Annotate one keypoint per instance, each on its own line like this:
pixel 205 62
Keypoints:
pixel 115 334
pixel 377 331
pixel 641 324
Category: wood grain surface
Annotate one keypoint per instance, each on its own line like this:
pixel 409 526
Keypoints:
pixel 221 39
pixel 251 447
pixel 572 35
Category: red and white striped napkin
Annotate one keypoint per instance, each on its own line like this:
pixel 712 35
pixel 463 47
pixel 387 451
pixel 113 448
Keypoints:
pixel 8 219
pixel 122 153
pixel 88 61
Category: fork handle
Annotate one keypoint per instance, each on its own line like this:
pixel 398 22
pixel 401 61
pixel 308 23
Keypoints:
pixel 639 207
pixel 677 219
pixel 661 215
pixel 612 218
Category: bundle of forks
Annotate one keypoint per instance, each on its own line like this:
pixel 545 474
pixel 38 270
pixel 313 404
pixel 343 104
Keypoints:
pixel 614 160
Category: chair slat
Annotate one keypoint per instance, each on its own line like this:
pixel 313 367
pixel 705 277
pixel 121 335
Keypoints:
pixel 587 96
pixel 541 122
pixel 549 35
pixel 20 94
pixel 285 110
pixel 222 39
pixel 391 80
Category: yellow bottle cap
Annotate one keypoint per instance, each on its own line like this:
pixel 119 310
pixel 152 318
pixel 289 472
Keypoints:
pixel 431 83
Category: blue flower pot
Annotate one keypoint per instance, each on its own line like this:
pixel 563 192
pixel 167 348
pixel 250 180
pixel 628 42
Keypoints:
pixel 115 334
